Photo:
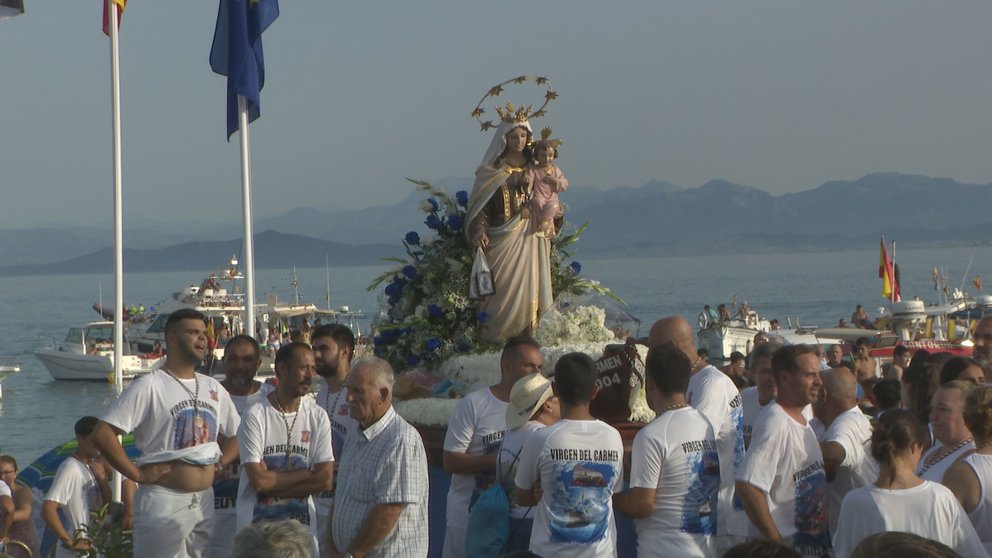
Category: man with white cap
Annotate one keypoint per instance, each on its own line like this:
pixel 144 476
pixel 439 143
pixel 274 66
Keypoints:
pixel 532 406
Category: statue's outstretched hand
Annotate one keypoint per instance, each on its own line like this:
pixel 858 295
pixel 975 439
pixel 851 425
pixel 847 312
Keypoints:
pixel 481 240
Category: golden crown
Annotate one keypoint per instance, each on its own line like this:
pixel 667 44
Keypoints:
pixel 509 113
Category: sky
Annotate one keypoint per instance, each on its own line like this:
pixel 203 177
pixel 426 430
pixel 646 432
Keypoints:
pixel 780 95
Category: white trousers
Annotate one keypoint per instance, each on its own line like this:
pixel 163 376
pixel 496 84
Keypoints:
pixel 171 524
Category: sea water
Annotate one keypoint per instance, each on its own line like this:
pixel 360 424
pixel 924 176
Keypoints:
pixel 38 412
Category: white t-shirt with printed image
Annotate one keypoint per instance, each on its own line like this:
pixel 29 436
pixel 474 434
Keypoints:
pixel 852 430
pixel 676 454
pixel 713 393
pixel 166 422
pixel 263 437
pixel 785 462
pixel 475 428
pixel 580 465
pixel 509 459
pixel 77 493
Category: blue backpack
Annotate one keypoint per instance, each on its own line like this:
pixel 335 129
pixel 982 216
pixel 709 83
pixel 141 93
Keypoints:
pixel 489 519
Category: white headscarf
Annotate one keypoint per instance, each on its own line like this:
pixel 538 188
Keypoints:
pixel 498 144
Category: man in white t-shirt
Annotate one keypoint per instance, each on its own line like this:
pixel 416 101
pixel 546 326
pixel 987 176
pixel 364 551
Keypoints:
pixel 242 357
pixel 674 467
pixel 285 447
pixel 475 430
pixel 757 397
pixel 532 407
pixel 333 346
pixel 782 483
pixel 80 487
pixel 846 443
pixel 185 426
pixel 714 395
pixel 576 465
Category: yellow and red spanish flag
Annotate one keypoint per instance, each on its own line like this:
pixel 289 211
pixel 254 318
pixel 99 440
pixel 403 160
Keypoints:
pixel 886 272
pixel 977 282
pixel 106 15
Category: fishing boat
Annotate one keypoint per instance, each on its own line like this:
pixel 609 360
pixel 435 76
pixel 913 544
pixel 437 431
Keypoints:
pixel 87 354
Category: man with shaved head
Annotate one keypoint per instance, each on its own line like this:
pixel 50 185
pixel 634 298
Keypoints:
pixel 715 395
pixel 845 444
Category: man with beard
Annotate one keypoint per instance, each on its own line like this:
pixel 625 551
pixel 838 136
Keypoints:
pixel 285 447
pixel 242 357
pixel 983 345
pixel 185 426
pixel 333 347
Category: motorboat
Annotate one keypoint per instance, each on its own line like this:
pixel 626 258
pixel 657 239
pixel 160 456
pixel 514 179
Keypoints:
pixel 87 354
pixel 723 336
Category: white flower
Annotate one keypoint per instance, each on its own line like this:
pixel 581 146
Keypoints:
pixel 426 206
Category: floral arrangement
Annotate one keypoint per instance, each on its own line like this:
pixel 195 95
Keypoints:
pixel 427 317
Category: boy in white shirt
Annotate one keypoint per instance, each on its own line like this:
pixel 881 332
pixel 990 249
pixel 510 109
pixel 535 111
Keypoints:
pixel 675 467
pixel 577 464
pixel 79 488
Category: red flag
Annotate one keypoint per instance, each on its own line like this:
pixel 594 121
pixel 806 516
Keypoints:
pixel 106 15
pixel 977 281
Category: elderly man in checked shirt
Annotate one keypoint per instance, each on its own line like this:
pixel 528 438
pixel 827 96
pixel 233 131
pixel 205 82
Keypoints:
pixel 380 504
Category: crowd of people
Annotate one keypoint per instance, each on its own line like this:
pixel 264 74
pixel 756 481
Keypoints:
pixel 808 458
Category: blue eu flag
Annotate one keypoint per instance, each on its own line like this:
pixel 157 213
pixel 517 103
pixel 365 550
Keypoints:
pixel 237 53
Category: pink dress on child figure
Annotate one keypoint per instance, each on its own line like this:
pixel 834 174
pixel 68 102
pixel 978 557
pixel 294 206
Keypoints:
pixel 544 203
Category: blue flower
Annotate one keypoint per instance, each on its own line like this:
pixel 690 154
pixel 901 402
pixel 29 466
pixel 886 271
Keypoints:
pixel 464 347
pixel 455 222
pixel 436 206
pixel 410 272
pixel 394 289
pixel 412 360
pixel 412 238
pixel 433 344
pixel 482 317
pixel 433 222
pixel 379 340
pixel 462 197
pixel 434 311
pixel 576 267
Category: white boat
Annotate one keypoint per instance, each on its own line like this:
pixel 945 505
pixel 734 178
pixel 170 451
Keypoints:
pixel 9 365
pixel 721 338
pixel 87 353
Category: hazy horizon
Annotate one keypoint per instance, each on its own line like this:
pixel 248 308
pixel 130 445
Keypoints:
pixel 777 95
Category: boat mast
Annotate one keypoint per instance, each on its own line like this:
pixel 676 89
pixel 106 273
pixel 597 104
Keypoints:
pixel 327 276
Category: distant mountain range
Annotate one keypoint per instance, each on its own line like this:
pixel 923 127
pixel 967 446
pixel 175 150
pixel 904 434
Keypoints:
pixel 654 219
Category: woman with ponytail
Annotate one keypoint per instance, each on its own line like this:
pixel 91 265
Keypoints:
pixel 901 501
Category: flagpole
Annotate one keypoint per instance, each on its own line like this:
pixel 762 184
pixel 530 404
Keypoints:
pixel 246 208
pixel 115 101
pixel 894 280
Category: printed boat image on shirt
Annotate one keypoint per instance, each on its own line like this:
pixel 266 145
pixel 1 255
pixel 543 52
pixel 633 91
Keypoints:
pixel 579 506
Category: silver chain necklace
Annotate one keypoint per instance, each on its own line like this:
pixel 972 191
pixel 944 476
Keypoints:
pixel 289 427
pixel 197 419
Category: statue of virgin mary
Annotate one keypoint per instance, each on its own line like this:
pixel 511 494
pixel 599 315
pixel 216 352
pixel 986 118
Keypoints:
pixel 499 222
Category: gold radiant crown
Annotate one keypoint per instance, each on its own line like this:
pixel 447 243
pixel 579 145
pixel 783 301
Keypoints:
pixel 509 113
